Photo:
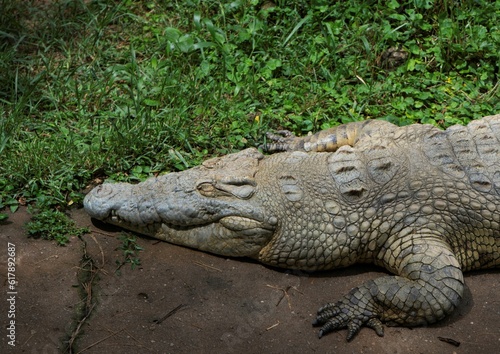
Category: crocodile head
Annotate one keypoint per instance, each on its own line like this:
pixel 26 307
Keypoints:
pixel 214 207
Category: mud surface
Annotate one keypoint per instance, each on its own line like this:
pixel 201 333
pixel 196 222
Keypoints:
pixel 183 301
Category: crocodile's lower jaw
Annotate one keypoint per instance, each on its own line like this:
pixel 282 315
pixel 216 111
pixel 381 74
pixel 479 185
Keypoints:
pixel 230 236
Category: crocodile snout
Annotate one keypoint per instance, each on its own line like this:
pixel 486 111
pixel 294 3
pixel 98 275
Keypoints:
pixel 99 202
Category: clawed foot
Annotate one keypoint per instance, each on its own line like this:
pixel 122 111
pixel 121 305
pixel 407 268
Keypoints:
pixel 282 140
pixel 346 314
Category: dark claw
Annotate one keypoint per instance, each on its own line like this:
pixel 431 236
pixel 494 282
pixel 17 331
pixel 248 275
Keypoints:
pixel 285 133
pixel 280 136
pixel 376 325
pixel 279 141
pixel 352 330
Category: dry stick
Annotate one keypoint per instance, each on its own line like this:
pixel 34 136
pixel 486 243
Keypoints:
pixel 89 307
pixel 449 341
pixel 274 325
pixel 32 334
pixel 102 233
pixel 100 248
pixel 168 314
pixel 285 293
pixel 77 330
pixel 198 263
pixel 88 288
pixel 99 341
pixel 138 342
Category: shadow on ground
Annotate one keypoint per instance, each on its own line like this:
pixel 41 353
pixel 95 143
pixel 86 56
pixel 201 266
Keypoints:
pixel 184 301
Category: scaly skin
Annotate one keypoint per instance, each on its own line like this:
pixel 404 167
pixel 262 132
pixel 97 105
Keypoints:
pixel 420 202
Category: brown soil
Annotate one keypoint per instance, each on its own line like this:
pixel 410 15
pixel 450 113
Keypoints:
pixel 183 301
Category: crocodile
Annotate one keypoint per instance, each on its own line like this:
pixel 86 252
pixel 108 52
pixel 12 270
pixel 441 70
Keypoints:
pixel 421 202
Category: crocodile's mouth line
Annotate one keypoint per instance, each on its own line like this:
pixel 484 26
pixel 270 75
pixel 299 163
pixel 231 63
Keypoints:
pixel 115 219
pixel 153 227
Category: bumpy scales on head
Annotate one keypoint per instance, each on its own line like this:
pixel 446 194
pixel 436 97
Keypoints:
pixel 421 202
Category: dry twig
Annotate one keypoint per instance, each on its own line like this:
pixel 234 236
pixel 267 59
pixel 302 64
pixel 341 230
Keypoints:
pixel 198 263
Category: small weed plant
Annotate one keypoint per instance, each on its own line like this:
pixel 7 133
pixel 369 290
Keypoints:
pixel 53 225
pixel 130 250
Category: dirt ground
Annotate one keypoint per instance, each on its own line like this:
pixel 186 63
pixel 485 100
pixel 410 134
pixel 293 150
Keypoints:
pixel 183 301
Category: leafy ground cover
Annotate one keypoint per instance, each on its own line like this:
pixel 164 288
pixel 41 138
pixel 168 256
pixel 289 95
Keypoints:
pixel 53 225
pixel 127 89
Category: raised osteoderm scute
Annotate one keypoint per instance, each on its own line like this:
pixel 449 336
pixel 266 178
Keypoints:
pixel 423 203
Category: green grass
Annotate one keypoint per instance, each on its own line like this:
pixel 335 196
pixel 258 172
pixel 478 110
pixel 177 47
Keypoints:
pixel 126 89
pixel 130 251
pixel 53 225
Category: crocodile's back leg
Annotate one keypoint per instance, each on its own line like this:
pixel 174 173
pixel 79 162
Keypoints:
pixel 328 140
pixel 429 286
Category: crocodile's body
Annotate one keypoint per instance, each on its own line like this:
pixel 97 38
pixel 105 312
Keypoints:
pixel 420 202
